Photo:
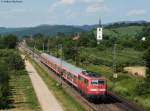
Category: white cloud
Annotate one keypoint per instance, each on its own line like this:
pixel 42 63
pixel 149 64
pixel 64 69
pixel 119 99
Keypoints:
pixel 59 3
pixel 136 12
pixel 97 7
pixel 92 1
pixel 67 2
pixel 78 7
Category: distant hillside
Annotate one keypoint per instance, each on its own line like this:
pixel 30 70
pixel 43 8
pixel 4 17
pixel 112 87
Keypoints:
pixel 124 29
pixel 8 30
pixel 87 27
pixel 121 27
pixel 115 25
pixel 43 29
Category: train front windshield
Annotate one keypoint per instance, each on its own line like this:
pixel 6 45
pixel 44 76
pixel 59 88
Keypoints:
pixel 97 82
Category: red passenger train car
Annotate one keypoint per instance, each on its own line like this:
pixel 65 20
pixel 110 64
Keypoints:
pixel 88 83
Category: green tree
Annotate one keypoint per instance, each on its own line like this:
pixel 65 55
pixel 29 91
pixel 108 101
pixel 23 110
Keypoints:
pixel 4 86
pixel 15 61
pixel 144 87
pixel 10 41
pixel 147 59
pixel 145 33
pixel 69 50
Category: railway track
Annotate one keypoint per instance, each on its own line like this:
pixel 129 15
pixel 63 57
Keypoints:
pixel 89 106
pixel 112 103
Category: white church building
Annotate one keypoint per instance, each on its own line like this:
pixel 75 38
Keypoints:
pixel 99 32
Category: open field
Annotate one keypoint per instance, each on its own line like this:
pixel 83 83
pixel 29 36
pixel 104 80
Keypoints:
pixel 122 31
pixel 19 94
pixel 22 93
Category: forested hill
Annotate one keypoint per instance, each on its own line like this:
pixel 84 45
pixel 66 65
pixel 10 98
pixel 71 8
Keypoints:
pixel 69 29
pixel 43 29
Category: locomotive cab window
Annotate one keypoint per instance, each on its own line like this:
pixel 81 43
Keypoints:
pixel 95 82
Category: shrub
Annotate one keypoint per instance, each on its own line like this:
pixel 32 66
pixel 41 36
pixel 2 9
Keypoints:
pixel 15 61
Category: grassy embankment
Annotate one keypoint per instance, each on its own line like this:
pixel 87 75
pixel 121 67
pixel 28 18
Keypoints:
pixel 23 93
pixel 68 102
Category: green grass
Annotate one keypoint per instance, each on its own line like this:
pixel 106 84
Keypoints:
pixel 67 101
pixel 124 31
pixel 22 92
pixel 122 56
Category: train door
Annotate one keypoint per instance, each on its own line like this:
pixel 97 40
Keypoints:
pixel 82 84
pixel 75 80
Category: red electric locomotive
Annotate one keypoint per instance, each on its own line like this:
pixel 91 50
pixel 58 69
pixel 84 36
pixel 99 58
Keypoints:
pixel 88 83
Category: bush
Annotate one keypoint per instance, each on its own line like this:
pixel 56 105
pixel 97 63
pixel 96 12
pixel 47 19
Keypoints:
pixel 143 89
pixel 9 41
pixel 4 86
pixel 15 61
pixel 101 47
pixel 10 60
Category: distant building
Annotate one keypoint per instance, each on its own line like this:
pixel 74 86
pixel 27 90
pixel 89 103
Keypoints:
pixel 77 37
pixel 143 38
pixel 99 32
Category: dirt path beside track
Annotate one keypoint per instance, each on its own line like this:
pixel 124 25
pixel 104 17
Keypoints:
pixel 46 99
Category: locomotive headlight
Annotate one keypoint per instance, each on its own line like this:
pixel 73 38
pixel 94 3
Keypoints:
pixel 102 89
pixel 98 90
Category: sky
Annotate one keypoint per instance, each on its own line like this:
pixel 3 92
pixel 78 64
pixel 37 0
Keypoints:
pixel 29 13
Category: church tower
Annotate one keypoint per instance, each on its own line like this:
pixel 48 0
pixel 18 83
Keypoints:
pixel 99 32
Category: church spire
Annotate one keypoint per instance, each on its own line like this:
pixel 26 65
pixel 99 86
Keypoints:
pixel 100 22
pixel 99 32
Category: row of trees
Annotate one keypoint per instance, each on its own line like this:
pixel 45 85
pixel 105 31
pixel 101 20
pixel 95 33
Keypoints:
pixel 8 41
pixel 88 39
pixel 10 63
